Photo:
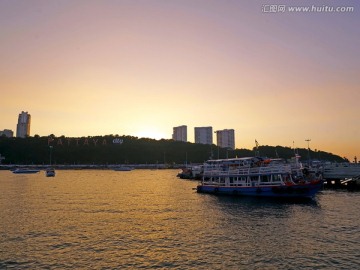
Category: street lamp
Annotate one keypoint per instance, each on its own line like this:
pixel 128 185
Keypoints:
pixel 50 152
pixel 308 141
pixel 227 152
pixel 217 144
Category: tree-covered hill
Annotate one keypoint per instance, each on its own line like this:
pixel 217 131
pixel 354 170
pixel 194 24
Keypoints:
pixel 113 149
pixel 287 153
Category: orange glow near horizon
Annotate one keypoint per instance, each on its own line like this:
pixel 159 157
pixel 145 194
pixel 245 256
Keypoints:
pixel 137 68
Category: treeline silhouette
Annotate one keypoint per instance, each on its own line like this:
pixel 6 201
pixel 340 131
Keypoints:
pixel 114 149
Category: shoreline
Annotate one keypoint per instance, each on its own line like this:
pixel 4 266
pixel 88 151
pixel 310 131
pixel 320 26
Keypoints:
pixel 92 166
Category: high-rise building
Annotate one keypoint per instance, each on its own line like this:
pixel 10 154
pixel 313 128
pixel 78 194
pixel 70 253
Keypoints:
pixel 180 133
pixel 7 132
pixel 204 135
pixel 23 125
pixel 225 138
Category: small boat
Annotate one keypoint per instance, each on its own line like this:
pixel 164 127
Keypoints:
pixel 191 172
pixel 185 173
pixel 25 171
pixel 256 176
pixel 50 172
pixel 123 169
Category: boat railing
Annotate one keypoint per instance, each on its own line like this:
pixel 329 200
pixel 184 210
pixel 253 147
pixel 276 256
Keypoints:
pixel 283 169
pixel 220 173
pixel 213 172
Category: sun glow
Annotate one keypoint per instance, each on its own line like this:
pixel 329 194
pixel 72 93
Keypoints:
pixel 151 133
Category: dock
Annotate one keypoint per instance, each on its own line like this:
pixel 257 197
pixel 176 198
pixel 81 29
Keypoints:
pixel 350 184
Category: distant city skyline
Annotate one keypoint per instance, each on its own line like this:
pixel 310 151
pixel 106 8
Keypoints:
pixel 203 135
pixel 140 67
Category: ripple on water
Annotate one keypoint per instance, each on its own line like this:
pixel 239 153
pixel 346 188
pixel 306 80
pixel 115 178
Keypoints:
pixel 143 219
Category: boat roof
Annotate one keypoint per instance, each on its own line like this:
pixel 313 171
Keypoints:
pixel 238 159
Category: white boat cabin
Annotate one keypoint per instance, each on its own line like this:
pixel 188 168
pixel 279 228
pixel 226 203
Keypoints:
pixel 253 171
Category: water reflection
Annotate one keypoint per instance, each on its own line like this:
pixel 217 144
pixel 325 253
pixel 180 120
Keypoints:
pixel 151 219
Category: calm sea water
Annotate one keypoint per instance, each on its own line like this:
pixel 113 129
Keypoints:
pixel 90 219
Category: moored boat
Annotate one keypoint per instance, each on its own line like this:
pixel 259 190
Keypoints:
pixel 341 170
pixel 256 176
pixel 25 171
pixel 185 173
pixel 123 169
pixel 191 172
pixel 50 172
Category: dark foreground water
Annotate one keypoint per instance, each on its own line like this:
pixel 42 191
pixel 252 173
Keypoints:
pixel 150 219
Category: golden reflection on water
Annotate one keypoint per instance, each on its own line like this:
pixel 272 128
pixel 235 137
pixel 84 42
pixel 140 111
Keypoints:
pixel 90 219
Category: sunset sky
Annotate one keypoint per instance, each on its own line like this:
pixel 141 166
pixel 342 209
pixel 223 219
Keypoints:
pixel 141 67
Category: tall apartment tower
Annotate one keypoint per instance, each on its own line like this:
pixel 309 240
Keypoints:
pixel 225 138
pixel 23 125
pixel 180 133
pixel 204 135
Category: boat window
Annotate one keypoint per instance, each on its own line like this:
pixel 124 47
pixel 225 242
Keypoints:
pixel 286 177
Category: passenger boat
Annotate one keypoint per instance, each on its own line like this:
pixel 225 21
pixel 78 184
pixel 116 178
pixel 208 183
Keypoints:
pixel 25 171
pixel 341 170
pixel 50 172
pixel 255 176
